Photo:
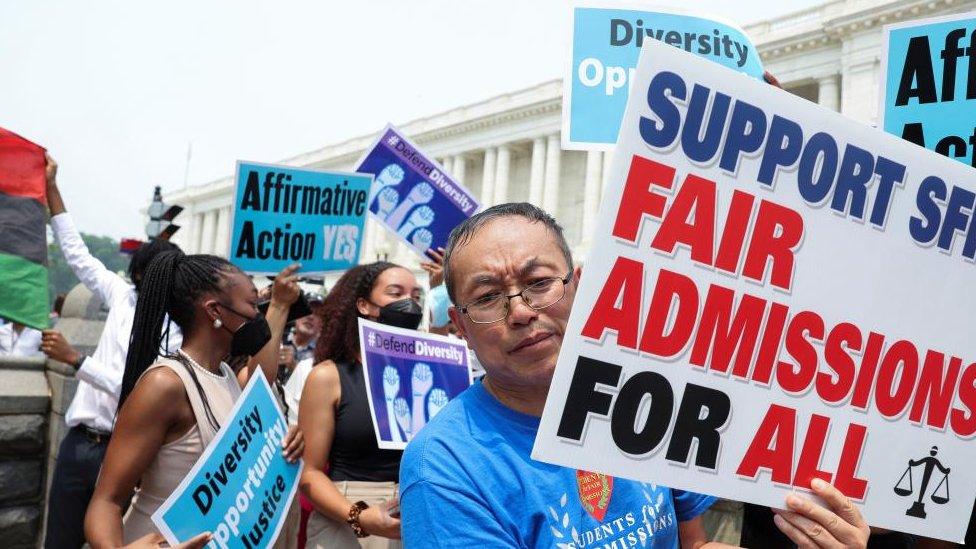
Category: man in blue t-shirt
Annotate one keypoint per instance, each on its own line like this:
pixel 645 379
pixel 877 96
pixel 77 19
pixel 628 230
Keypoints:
pixel 467 479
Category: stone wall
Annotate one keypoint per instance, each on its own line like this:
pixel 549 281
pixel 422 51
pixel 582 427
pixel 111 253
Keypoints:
pixel 34 396
pixel 24 404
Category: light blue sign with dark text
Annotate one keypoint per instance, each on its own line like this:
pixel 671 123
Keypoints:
pixel 285 215
pixel 929 86
pixel 606 44
pixel 241 487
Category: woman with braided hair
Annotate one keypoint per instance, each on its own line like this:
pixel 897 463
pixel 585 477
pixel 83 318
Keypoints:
pixel 354 498
pixel 170 408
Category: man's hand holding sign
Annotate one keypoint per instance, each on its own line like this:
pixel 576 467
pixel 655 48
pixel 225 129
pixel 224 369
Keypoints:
pixel 810 525
pixel 766 308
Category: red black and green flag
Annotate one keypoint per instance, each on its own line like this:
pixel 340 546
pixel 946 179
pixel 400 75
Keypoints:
pixel 23 236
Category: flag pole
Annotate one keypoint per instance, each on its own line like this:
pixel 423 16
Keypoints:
pixel 186 169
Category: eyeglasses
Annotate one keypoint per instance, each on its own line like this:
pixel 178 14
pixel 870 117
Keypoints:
pixel 496 306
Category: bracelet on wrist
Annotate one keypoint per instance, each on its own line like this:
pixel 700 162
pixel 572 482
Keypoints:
pixel 353 520
pixel 79 362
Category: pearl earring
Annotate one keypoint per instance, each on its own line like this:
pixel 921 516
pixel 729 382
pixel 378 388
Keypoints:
pixel 217 323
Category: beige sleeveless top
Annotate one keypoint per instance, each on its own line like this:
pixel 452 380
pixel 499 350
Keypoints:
pixel 175 459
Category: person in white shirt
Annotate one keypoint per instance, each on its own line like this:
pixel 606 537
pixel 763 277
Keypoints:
pixel 91 414
pixel 19 340
pixel 298 357
pixel 293 388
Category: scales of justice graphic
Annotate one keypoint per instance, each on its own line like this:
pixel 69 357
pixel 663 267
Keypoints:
pixel 941 493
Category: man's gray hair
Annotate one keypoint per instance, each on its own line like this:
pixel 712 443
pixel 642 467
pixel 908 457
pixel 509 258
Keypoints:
pixel 466 230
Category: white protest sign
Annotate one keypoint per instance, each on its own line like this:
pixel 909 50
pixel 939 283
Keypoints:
pixel 769 304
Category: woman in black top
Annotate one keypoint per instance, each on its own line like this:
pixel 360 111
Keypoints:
pixel 334 414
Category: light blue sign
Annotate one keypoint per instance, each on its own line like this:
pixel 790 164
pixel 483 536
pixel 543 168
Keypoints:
pixel 606 45
pixel 412 196
pixel 240 488
pixel 929 86
pixel 284 215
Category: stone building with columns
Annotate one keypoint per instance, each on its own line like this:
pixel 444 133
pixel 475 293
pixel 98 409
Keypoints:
pixel 507 148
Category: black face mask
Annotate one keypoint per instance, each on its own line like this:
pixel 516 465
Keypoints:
pixel 251 336
pixel 404 313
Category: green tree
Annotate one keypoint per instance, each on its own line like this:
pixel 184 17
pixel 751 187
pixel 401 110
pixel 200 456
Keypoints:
pixel 60 277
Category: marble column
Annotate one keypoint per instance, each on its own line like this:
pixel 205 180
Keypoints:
pixel 379 245
pixel 488 178
pixel 370 240
pixel 222 247
pixel 189 230
pixel 209 232
pixel 502 169
pixel 591 193
pixel 605 176
pixel 460 165
pixel 215 233
pixel 448 163
pixel 216 245
pixel 829 92
pixel 194 246
pixel 201 232
pixel 550 187
pixel 221 219
pixel 537 175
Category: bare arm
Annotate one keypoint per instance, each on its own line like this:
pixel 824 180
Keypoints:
pixel 434 268
pixel 316 417
pixel 284 292
pixel 806 523
pixel 147 419
pixel 692 535
pixel 91 370
pixel 810 525
pixel 54 201
pixel 772 80
pixel 54 345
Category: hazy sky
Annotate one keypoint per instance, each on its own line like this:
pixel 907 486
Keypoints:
pixel 117 89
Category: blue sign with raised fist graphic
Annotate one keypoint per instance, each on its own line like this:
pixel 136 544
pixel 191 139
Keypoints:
pixel 410 377
pixel 412 196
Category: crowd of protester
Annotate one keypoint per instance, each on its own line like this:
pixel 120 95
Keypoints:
pixel 184 333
